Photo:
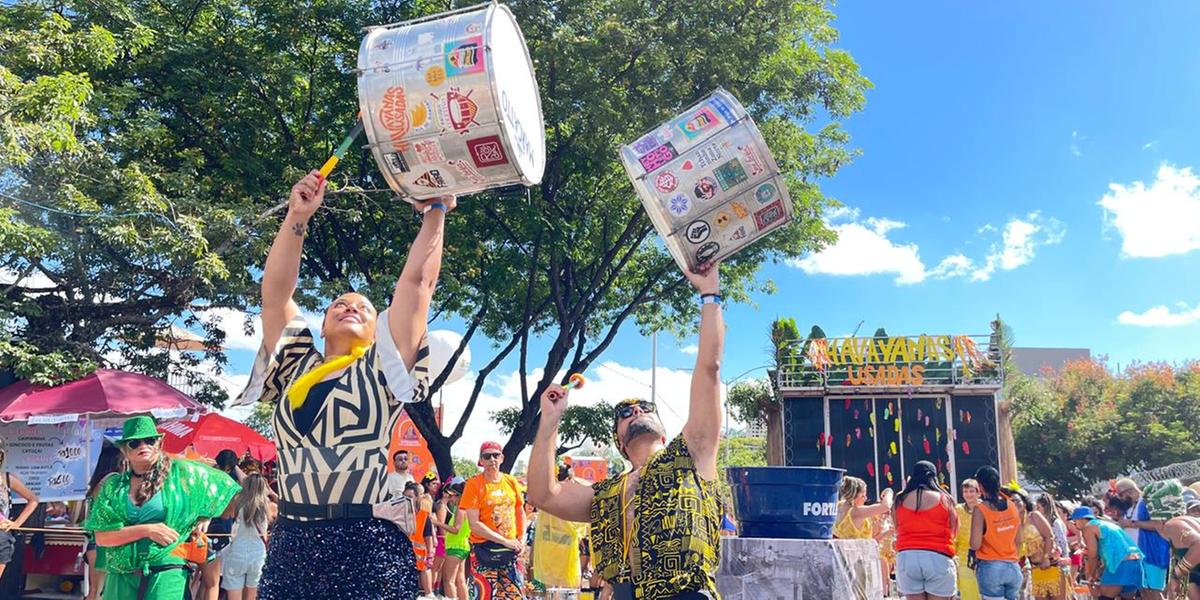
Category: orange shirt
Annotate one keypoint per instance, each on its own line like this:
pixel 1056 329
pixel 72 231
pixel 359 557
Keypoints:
pixel 1000 533
pixel 500 505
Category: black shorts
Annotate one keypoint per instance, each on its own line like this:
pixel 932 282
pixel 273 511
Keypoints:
pixel 6 547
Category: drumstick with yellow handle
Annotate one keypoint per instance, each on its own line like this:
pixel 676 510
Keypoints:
pixel 327 168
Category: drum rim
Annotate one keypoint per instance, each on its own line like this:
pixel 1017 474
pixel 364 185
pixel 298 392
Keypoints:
pixel 537 90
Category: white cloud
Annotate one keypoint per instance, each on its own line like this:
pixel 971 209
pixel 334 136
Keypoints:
pixel 1019 244
pixel 690 349
pixel 1159 219
pixel 1149 145
pixel 863 248
pixel 1075 139
pixel 233 322
pixel 1161 316
pixel 955 265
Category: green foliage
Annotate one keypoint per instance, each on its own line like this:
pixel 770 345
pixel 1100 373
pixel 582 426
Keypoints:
pixel 466 467
pixel 42 368
pixel 1085 425
pixel 741 452
pixel 260 419
pixel 748 400
pixel 580 425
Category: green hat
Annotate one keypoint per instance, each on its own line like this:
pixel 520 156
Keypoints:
pixel 138 428
pixel 1164 499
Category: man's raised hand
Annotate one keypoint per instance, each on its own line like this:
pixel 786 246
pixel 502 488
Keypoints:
pixel 554 403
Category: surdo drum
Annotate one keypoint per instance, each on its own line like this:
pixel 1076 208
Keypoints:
pixel 450 104
pixel 708 181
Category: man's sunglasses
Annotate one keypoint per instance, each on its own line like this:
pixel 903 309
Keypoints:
pixel 138 443
pixel 625 411
pixel 490 455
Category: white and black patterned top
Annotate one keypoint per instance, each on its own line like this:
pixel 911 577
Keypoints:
pixel 343 458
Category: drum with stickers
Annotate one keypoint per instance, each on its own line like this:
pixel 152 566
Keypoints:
pixel 708 181
pixel 450 104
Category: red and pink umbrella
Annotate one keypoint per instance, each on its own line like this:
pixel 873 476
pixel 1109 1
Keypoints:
pixel 211 433
pixel 104 393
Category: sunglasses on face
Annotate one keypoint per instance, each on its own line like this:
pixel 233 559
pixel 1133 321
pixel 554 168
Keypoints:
pixel 490 455
pixel 135 444
pixel 646 406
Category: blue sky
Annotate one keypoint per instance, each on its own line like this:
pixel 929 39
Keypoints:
pixel 993 135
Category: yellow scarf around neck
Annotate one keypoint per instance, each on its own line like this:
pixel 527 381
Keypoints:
pixel 299 389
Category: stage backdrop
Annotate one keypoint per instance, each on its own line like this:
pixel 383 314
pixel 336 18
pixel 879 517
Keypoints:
pixel 54 461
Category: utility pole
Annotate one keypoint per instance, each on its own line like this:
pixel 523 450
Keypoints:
pixel 653 366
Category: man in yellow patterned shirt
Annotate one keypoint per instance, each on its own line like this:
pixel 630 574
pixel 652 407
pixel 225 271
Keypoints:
pixel 655 529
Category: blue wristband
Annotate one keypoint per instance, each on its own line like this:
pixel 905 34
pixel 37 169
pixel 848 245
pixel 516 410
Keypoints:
pixel 434 205
pixel 710 299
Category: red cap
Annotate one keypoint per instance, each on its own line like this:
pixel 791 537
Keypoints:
pixel 491 446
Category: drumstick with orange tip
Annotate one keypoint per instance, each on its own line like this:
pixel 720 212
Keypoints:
pixel 327 168
pixel 575 381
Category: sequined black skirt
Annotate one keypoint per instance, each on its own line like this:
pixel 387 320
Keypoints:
pixel 359 559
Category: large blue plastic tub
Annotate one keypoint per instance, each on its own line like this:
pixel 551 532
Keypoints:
pixel 785 502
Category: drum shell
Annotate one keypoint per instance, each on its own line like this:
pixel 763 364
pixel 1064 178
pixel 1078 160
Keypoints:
pixel 708 181
pixel 434 113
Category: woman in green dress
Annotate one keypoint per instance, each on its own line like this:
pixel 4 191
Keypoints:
pixel 142 515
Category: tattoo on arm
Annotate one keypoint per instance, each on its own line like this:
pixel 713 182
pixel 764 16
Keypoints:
pixel 299 229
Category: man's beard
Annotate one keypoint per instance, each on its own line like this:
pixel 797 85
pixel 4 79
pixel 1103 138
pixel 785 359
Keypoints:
pixel 643 425
pixel 1121 504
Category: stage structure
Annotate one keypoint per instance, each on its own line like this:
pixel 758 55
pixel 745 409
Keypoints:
pixel 874 406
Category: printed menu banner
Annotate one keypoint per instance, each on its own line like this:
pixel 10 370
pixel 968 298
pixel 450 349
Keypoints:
pixel 54 461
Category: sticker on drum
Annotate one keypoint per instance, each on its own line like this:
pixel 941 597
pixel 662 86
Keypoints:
pixel 393 114
pixel 707 155
pixel 723 109
pixel 396 163
pixel 754 164
pixel 738 234
pixel 421 116
pixel 487 151
pixel 722 220
pixel 467 171
pixel 429 151
pixel 464 56
pixel 706 252
pixel 679 205
pixel 739 209
pixel 697 231
pixel 666 182
pixel 730 174
pixel 706 188
pixel 769 215
pixel 765 193
pixel 435 76
pixel 435 179
pixel 457 109
pixel 698 122
pixel 658 157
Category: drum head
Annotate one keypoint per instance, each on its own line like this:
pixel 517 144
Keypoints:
pixel 516 93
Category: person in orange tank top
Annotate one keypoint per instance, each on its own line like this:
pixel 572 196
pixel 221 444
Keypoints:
pixel 925 528
pixel 995 525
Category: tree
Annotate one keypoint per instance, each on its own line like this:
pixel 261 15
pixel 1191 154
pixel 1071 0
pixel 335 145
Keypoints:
pixel 1084 425
pixel 580 425
pixel 466 467
pixel 260 420
pixel 196 120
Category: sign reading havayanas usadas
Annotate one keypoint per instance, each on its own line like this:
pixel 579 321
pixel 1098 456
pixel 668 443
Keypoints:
pixel 892 360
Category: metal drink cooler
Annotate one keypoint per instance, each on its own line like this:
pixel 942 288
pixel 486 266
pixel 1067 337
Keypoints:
pixel 450 104
pixel 708 181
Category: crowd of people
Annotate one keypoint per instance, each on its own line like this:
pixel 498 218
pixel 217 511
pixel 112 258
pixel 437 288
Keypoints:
pixel 1002 543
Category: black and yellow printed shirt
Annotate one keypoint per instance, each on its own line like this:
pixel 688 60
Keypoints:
pixel 676 544
pixel 343 458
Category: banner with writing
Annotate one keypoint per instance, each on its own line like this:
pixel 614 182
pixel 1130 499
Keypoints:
pixel 54 461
